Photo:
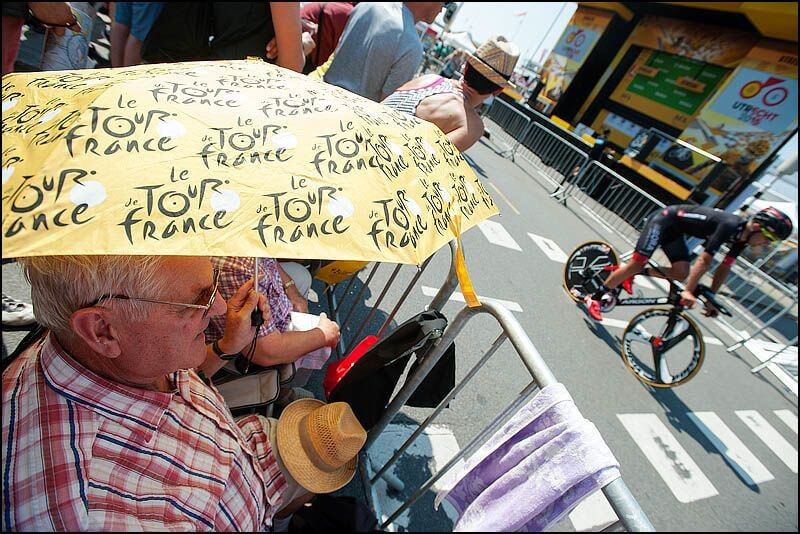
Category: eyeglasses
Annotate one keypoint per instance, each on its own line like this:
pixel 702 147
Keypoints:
pixel 204 307
pixel 769 235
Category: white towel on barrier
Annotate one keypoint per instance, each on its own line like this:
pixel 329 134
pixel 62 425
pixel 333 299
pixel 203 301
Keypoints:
pixel 532 471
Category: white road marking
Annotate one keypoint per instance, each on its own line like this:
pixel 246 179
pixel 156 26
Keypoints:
pixel 459 297
pixel 496 234
pixel 731 447
pixel 435 446
pixel 510 205
pixel 770 437
pixel 681 474
pixel 593 514
pixel 598 220
pixel 789 418
pixel 616 323
pixel 549 247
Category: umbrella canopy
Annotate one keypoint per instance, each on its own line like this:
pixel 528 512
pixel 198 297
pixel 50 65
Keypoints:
pixel 224 158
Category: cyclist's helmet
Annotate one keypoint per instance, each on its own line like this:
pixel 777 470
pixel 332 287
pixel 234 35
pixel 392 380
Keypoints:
pixel 775 221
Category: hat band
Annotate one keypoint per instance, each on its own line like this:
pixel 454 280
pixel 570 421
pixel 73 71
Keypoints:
pixel 494 69
pixel 309 447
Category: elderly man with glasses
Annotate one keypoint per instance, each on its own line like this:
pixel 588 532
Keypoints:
pixel 108 425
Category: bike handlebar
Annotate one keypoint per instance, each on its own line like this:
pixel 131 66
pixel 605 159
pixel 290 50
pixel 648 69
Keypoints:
pixel 709 296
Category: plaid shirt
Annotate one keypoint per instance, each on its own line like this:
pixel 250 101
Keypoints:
pixel 83 453
pixel 235 271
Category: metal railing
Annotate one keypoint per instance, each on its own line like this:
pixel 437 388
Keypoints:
pixel 622 501
pixel 336 302
pixel 620 207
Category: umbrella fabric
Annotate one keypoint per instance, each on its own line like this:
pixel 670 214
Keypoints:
pixel 224 158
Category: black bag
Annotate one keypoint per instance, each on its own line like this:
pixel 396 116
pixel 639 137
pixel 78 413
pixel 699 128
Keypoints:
pixel 369 384
pixel 180 33
pixel 327 513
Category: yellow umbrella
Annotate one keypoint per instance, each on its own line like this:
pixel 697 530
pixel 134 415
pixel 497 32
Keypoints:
pixel 226 158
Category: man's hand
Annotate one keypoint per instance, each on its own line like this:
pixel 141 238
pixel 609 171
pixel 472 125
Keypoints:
pixel 308 43
pixel 329 329
pixel 239 331
pixel 688 299
pixel 272 49
pixel 57 15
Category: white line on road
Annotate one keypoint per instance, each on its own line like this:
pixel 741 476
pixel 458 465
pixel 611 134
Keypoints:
pixel 736 453
pixel 598 220
pixel 459 297
pixel 616 323
pixel 510 205
pixel 681 474
pixel 549 247
pixel 496 234
pixel 789 418
pixel 593 514
pixel 770 437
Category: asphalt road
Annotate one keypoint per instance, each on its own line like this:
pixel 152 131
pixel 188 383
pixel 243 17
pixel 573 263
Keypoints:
pixel 697 458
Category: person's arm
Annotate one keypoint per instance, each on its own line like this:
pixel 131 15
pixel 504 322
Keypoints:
pixel 720 275
pixel 286 347
pixel 700 267
pixel 57 15
pixel 467 134
pixel 239 331
pixel 288 34
pixel 299 302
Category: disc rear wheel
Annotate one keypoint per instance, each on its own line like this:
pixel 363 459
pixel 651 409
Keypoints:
pixel 587 267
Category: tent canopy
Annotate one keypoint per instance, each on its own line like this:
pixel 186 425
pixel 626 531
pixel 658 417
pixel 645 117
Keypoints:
pixel 461 40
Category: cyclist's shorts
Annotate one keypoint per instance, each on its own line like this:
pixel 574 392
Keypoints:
pixel 657 232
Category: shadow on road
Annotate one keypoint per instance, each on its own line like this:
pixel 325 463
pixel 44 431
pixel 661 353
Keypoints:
pixel 677 415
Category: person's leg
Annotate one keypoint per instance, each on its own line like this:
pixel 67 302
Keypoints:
pixel 144 15
pixel 120 30
pixel 12 31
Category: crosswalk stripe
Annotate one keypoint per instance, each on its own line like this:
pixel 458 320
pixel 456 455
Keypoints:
pixel 681 474
pixel 593 514
pixel 731 447
pixel 457 296
pixel 770 437
pixel 616 323
pixel 789 418
pixel 549 247
pixel 496 234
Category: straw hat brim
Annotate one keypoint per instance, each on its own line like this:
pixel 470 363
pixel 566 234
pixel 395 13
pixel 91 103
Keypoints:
pixel 491 74
pixel 297 462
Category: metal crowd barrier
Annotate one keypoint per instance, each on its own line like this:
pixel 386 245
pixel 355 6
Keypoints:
pixel 620 208
pixel 336 308
pixel 619 496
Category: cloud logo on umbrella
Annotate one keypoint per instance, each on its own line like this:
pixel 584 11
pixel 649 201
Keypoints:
pixel 413 207
pixel 90 193
pixel 8 172
pixel 284 140
pixel 171 128
pixel 49 115
pixel 341 206
pixel 225 200
pixel 8 104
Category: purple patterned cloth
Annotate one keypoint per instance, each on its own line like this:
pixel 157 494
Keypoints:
pixel 532 471
pixel 235 271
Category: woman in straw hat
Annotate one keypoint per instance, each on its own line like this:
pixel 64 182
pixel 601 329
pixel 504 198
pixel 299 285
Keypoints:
pixel 451 104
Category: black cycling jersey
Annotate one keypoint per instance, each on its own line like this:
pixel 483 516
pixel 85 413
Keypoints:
pixel 669 226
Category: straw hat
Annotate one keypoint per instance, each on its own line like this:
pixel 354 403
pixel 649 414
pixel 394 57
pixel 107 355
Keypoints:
pixel 319 443
pixel 496 59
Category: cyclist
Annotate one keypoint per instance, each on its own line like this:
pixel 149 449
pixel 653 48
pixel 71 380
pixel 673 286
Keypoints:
pixel 668 228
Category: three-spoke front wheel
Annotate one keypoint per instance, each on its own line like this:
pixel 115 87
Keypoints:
pixel 662 347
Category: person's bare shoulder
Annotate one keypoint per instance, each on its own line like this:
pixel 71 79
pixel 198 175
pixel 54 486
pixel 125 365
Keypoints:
pixel 445 110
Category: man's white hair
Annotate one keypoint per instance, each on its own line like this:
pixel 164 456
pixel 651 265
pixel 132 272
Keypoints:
pixel 61 285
